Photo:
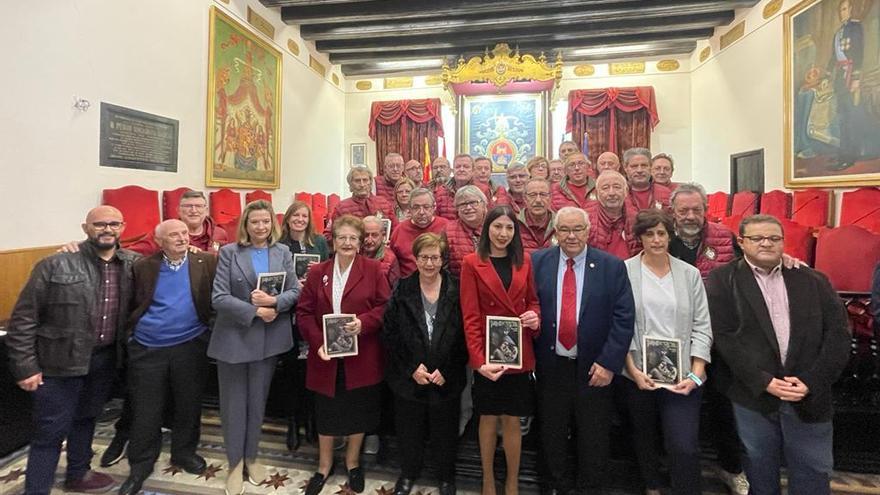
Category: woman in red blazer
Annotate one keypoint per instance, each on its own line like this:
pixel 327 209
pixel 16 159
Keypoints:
pixel 497 280
pixel 347 390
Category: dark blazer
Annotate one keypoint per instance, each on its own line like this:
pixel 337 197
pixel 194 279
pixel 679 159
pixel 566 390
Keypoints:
pixel 202 266
pixel 483 294
pixel 607 314
pixel 818 348
pixel 365 295
pixel 875 298
pixel 239 336
pixel 405 335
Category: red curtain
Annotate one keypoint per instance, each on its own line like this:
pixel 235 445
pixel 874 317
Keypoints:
pixel 402 127
pixel 615 118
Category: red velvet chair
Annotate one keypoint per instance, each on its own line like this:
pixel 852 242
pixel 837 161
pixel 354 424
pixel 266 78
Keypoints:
pixel 319 210
pixel 332 201
pixel 811 207
pixel 732 223
pixel 171 202
pixel 800 242
pixel 139 207
pixel 847 255
pixel 717 206
pixel 304 197
pixel 745 203
pixel 225 206
pixel 258 194
pixel 776 203
pixel 861 207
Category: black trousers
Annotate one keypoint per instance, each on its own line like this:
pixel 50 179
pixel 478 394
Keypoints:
pixel 565 401
pixel 721 426
pixel 438 422
pixel 155 376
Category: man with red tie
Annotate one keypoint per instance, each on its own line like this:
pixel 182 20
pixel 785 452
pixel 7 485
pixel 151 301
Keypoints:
pixel 580 349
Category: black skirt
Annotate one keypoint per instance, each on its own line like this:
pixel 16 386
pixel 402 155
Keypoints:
pixel 350 411
pixel 511 395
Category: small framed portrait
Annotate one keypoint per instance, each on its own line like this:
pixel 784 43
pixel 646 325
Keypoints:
pixel 301 263
pixel 358 155
pixel 661 360
pixel 271 283
pixel 504 341
pixel 337 342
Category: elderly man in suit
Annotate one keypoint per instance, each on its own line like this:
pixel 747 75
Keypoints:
pixel 166 351
pixel 587 322
pixel 784 338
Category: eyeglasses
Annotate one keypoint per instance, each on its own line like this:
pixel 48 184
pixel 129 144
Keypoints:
pixel 758 239
pixel 579 164
pixel 193 207
pixel 432 259
pixel 468 204
pixel 565 231
pixel 518 176
pixel 104 225
pixel 537 195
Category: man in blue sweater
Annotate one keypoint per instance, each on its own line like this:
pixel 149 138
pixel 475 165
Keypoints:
pixel 167 345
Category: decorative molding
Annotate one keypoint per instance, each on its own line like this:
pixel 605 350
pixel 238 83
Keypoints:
pixel 433 81
pixel 334 78
pixel 364 85
pixel 704 54
pixel 772 8
pixel 584 70
pixel 317 66
pixel 293 47
pixel 260 22
pixel 624 68
pixel 735 33
pixel 668 65
pixel 501 66
pixel 398 82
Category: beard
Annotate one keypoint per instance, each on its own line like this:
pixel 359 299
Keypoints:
pixel 690 229
pixel 103 245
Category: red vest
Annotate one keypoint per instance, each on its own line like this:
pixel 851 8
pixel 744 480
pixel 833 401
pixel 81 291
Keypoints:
pixel 561 195
pixel 601 236
pixel 461 240
pixel 540 238
pixel 716 249
pixel 384 189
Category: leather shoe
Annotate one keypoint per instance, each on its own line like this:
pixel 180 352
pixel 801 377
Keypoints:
pixel 132 485
pixel 293 440
pixel 316 482
pixel 115 451
pixel 403 486
pixel 194 464
pixel 356 479
pixel 447 488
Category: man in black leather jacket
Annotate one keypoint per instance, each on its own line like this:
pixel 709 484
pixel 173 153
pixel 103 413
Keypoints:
pixel 65 337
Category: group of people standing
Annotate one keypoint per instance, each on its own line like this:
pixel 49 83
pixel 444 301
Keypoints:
pixel 617 284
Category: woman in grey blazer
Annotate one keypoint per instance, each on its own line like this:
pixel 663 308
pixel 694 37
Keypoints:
pixel 252 328
pixel 668 354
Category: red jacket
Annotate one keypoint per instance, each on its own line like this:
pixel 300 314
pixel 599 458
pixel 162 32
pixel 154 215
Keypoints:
pixel 461 241
pixel 360 208
pixel 658 198
pixel 402 240
pixel 561 195
pixel 482 294
pixel 716 248
pixel 210 240
pixel 536 238
pixel 516 201
pixel 385 189
pixel 365 295
pixel 618 240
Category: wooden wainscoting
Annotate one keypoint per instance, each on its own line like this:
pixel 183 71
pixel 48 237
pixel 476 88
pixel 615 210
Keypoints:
pixel 17 265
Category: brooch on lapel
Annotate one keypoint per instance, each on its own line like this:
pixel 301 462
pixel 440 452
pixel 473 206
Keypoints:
pixel 215 246
pixel 325 280
pixel 658 205
pixel 709 252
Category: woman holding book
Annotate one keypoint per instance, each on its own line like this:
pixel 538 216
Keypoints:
pixel 497 280
pixel 298 232
pixel 673 336
pixel 423 333
pixel 347 389
pixel 251 330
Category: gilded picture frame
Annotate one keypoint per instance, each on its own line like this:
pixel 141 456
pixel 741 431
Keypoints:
pixel 831 94
pixel 243 123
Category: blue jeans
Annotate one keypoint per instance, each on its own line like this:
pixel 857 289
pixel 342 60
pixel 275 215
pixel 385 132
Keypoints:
pixel 806 449
pixel 65 407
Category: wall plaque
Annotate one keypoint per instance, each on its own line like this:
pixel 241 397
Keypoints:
pixel 704 54
pixel 364 85
pixel 334 78
pixel 668 65
pixel 623 68
pixel 260 22
pixel 317 66
pixel 772 8
pixel 398 82
pixel 735 33
pixel 133 139
pixel 584 70
pixel 293 47
pixel 433 81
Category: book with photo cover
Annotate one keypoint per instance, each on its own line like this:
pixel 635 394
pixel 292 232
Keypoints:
pixel 504 341
pixel 661 360
pixel 271 283
pixel 301 263
pixel 386 227
pixel 338 342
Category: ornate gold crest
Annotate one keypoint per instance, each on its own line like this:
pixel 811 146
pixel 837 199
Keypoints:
pixel 501 66
pixel 668 65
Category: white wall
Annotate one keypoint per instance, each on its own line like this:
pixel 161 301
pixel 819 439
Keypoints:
pixel 150 56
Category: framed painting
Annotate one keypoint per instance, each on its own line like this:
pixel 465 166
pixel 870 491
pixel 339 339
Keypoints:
pixel 832 93
pixel 243 129
pixel 505 128
pixel 358 155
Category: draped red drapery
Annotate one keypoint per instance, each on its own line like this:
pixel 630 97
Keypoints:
pixel 402 127
pixel 614 118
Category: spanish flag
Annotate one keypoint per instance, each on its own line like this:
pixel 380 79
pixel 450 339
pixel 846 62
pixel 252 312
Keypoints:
pixel 426 168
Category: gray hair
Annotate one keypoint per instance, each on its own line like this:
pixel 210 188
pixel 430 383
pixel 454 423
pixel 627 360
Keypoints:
pixel 570 210
pixel 372 219
pixel 359 170
pixel 542 181
pixel 192 194
pixel 514 167
pixel 689 188
pixel 391 155
pixel 632 152
pixel 421 191
pixel 469 190
pixel 612 174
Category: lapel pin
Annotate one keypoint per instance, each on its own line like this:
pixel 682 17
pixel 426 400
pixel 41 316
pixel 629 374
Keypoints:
pixel 325 280
pixel 592 265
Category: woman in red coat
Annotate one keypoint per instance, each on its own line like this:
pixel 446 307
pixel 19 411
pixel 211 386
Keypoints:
pixel 497 280
pixel 347 390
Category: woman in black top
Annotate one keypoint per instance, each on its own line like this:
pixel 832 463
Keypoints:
pixel 424 339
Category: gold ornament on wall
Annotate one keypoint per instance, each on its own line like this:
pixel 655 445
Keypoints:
pixel 260 22
pixel 624 68
pixel 398 82
pixel 704 54
pixel 317 66
pixel 433 81
pixel 335 79
pixel 363 85
pixel 735 33
pixel 584 70
pixel 772 8
pixel 502 66
pixel 293 47
pixel 668 65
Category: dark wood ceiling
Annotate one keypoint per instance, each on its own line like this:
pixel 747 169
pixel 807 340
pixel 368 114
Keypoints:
pixel 379 37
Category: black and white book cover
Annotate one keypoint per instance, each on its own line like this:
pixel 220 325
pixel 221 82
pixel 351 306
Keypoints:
pixel 661 360
pixel 301 263
pixel 338 342
pixel 504 341
pixel 386 227
pixel 271 283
